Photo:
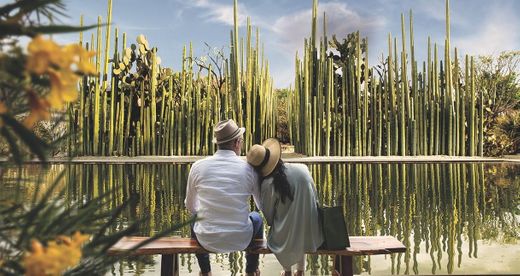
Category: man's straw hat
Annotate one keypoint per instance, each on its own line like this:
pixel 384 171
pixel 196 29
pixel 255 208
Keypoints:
pixel 226 131
pixel 265 157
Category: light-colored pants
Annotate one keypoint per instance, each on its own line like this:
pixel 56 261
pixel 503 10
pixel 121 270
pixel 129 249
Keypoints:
pixel 300 265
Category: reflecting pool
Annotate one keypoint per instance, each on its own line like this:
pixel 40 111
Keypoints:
pixel 454 218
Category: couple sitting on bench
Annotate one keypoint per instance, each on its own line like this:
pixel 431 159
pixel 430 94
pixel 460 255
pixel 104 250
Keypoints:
pixel 219 189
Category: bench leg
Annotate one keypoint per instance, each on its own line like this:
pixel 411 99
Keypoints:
pixel 343 264
pixel 169 265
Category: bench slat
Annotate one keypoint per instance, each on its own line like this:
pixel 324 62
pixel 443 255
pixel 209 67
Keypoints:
pixel 359 245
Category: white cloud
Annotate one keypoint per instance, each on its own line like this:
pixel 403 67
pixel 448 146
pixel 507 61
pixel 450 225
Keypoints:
pixel 499 32
pixel 341 20
pixel 288 33
pixel 437 11
pixel 222 13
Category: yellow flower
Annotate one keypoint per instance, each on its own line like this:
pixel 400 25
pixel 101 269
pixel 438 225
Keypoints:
pixel 38 63
pixel 85 66
pixel 63 66
pixel 45 54
pixel 81 58
pixel 56 258
pixel 63 88
pixel 79 238
pixel 42 54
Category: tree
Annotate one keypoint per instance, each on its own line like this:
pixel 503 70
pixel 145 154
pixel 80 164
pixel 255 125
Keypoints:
pixel 499 79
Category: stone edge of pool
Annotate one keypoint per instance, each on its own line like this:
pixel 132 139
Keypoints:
pixel 313 159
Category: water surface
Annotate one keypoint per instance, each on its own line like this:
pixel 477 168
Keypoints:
pixel 454 218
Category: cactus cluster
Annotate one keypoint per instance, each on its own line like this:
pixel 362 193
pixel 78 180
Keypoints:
pixel 401 108
pixel 138 107
pixel 339 105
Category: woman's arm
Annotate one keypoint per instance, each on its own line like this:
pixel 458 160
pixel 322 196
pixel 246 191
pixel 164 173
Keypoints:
pixel 269 199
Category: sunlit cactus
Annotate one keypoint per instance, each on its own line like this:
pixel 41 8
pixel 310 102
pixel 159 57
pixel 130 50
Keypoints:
pixel 401 107
pixel 138 107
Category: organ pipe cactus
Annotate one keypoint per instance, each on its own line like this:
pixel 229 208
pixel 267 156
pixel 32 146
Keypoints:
pixel 404 110
pixel 138 107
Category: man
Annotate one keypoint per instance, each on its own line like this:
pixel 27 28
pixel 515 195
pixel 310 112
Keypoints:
pixel 218 191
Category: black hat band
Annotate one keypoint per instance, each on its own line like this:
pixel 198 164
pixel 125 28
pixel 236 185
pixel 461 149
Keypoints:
pixel 266 159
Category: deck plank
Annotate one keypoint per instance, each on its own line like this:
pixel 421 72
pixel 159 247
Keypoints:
pixel 359 245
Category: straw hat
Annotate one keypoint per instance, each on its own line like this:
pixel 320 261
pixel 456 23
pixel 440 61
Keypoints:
pixel 226 131
pixel 265 157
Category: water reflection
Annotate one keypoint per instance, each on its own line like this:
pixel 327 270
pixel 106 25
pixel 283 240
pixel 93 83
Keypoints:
pixel 444 210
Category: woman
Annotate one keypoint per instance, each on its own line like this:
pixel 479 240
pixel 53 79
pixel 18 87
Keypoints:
pixel 288 201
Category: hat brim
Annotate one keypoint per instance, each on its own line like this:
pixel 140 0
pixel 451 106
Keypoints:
pixel 240 133
pixel 275 153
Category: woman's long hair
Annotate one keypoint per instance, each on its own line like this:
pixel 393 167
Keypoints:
pixel 280 182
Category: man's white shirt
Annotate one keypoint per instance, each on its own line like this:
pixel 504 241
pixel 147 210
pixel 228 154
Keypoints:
pixel 218 191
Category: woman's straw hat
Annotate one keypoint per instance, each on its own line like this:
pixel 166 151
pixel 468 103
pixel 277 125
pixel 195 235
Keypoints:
pixel 226 131
pixel 265 157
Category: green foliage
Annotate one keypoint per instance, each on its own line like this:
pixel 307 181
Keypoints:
pixel 499 79
pixel 504 135
pixel 18 19
pixel 282 132
pixel 11 129
pixel 345 51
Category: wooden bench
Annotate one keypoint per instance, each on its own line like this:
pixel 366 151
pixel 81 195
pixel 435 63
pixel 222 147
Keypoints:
pixel 170 247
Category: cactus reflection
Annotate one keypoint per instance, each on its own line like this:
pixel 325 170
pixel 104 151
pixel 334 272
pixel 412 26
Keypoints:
pixel 444 209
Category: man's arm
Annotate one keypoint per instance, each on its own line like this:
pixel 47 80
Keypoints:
pixel 191 200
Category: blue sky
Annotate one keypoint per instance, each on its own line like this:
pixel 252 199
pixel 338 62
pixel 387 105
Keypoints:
pixel 478 27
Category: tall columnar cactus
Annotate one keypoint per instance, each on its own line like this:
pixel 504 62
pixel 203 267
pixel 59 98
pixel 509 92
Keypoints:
pixel 137 107
pixel 401 108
